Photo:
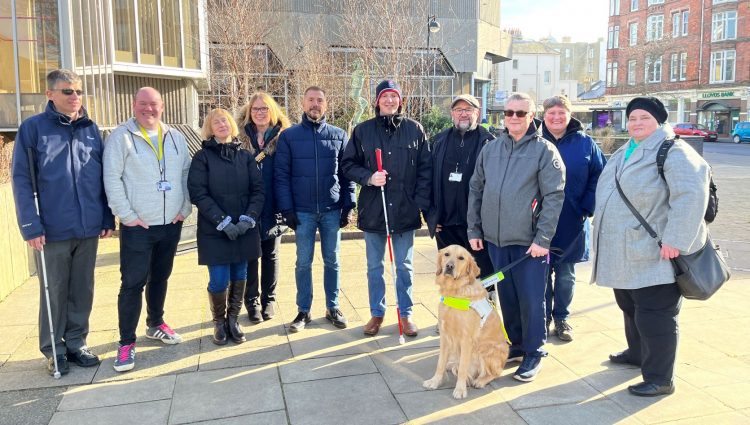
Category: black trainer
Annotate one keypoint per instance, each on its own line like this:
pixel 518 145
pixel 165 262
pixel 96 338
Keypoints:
pixel 299 322
pixel 62 365
pixel 335 316
pixel 83 357
pixel 529 368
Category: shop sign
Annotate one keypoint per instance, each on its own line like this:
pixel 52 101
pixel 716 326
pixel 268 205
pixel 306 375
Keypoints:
pixel 715 94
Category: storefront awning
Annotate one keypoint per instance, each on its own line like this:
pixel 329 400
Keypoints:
pixel 715 106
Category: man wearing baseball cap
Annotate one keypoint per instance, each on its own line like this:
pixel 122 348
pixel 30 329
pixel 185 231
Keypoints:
pixel 454 155
pixel 406 178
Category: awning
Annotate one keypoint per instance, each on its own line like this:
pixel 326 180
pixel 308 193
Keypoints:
pixel 716 106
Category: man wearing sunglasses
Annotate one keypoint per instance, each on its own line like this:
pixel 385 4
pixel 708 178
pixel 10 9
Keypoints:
pixel 454 155
pixel 515 198
pixel 66 150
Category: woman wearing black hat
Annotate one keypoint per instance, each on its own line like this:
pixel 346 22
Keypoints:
pixel 628 259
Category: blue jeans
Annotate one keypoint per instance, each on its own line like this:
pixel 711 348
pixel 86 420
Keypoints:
pixel 522 298
pixel 220 275
pixel 560 295
pixel 327 224
pixel 403 252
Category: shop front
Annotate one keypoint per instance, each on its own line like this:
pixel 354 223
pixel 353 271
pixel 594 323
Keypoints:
pixel 719 111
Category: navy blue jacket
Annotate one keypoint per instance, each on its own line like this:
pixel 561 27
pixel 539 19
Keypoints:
pixel 269 226
pixel 584 162
pixel 308 169
pixel 68 165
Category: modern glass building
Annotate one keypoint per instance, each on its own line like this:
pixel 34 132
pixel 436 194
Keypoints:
pixel 116 46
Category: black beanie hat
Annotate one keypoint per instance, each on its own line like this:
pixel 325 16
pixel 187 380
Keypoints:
pixel 386 86
pixel 651 105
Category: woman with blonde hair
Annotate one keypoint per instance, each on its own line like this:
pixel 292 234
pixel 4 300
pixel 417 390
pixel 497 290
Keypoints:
pixel 261 121
pixel 225 184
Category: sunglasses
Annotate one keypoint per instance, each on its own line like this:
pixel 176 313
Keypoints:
pixel 520 114
pixel 69 92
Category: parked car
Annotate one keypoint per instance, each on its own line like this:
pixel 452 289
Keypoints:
pixel 690 129
pixel 741 132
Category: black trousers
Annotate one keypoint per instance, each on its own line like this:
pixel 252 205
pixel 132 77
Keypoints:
pixel 651 329
pixel 70 278
pixel 265 287
pixel 456 235
pixel 146 259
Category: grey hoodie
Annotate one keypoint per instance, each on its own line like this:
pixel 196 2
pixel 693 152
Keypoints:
pixel 131 173
pixel 508 177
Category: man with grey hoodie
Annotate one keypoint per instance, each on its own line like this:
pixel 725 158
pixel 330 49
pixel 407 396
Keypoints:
pixel 146 165
pixel 515 198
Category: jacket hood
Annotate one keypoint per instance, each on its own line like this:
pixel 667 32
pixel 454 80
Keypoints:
pixel 270 137
pixel 306 121
pixel 574 126
pixel 226 151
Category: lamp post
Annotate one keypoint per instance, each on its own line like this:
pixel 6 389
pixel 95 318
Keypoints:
pixel 432 26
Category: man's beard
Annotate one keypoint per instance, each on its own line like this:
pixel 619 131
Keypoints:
pixel 464 126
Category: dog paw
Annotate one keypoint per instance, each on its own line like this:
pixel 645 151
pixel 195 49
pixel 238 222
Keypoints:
pixel 431 384
pixel 460 393
pixel 478 384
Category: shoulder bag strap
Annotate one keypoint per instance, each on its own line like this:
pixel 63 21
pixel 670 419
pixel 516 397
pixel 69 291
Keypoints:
pixel 635 212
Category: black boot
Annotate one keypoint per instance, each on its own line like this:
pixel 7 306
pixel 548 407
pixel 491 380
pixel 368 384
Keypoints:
pixel 236 291
pixel 218 303
pixel 252 305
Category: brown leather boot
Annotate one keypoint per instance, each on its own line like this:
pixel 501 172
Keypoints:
pixel 373 326
pixel 410 328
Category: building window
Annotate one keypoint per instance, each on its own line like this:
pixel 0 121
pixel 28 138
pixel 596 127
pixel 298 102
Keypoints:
pixel 515 64
pixel 613 41
pixel 633 5
pixel 654 27
pixel 631 72
pixel 591 67
pixel 683 66
pixel 653 2
pixel 124 26
pixel 148 25
pixel 614 7
pixel 676 27
pixel 685 18
pixel 722 66
pixel 191 30
pixel 170 18
pixel 633 39
pixel 653 70
pixel 724 26
pixel 674 67
pixel 591 53
pixel 723 1
pixel 612 74
pixel 547 77
pixel 514 85
pixel 567 53
pixel 567 68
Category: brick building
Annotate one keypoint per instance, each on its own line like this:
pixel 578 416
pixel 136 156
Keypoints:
pixel 692 54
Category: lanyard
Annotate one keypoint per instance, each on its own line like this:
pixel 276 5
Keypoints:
pixel 158 151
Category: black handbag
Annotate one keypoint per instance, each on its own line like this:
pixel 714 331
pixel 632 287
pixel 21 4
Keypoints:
pixel 698 275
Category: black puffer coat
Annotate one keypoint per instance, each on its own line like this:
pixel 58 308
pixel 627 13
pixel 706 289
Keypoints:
pixel 406 158
pixel 225 180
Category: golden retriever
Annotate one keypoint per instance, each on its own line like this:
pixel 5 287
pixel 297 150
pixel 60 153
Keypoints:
pixel 476 355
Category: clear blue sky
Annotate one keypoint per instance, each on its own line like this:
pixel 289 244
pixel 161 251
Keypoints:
pixel 583 20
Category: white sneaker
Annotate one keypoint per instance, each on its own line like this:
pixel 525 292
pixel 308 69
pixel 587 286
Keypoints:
pixel 164 334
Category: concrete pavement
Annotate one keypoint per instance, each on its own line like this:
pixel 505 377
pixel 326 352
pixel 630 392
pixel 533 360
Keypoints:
pixel 327 376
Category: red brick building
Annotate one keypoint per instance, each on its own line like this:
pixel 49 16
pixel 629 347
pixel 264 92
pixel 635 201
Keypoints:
pixel 694 55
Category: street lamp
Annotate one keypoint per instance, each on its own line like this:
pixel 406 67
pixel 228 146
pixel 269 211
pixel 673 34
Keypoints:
pixel 432 26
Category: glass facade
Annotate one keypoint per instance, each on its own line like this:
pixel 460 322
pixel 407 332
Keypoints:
pixel 157 32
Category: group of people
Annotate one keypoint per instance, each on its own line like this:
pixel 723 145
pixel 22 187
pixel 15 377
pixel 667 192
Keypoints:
pixel 520 203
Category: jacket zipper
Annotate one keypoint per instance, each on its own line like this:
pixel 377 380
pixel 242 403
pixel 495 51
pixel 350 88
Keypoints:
pixel 317 178
pixel 75 176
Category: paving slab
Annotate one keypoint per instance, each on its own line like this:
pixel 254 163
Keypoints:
pixel 149 413
pixel 246 355
pixel 37 377
pixel 277 417
pixel 325 368
pixel 200 396
pixel 405 370
pixel 589 412
pixel 365 398
pixel 12 337
pixel 319 342
pixel 439 407
pixel 153 358
pixel 29 407
pixel 118 393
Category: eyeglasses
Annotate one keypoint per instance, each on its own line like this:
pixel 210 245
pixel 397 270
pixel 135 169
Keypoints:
pixel 262 109
pixel 520 114
pixel 462 111
pixel 69 92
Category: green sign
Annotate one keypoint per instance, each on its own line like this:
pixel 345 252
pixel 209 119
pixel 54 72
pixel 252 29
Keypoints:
pixel 714 94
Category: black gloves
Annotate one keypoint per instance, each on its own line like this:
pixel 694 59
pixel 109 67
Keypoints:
pixel 232 231
pixel 346 218
pixel 291 220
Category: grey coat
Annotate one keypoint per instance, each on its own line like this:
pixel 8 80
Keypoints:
pixel 626 256
pixel 507 178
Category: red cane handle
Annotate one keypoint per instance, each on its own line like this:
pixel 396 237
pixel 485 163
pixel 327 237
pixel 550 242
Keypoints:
pixel 379 158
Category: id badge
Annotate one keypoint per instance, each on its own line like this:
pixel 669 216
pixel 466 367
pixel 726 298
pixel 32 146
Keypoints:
pixel 455 177
pixel 163 186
